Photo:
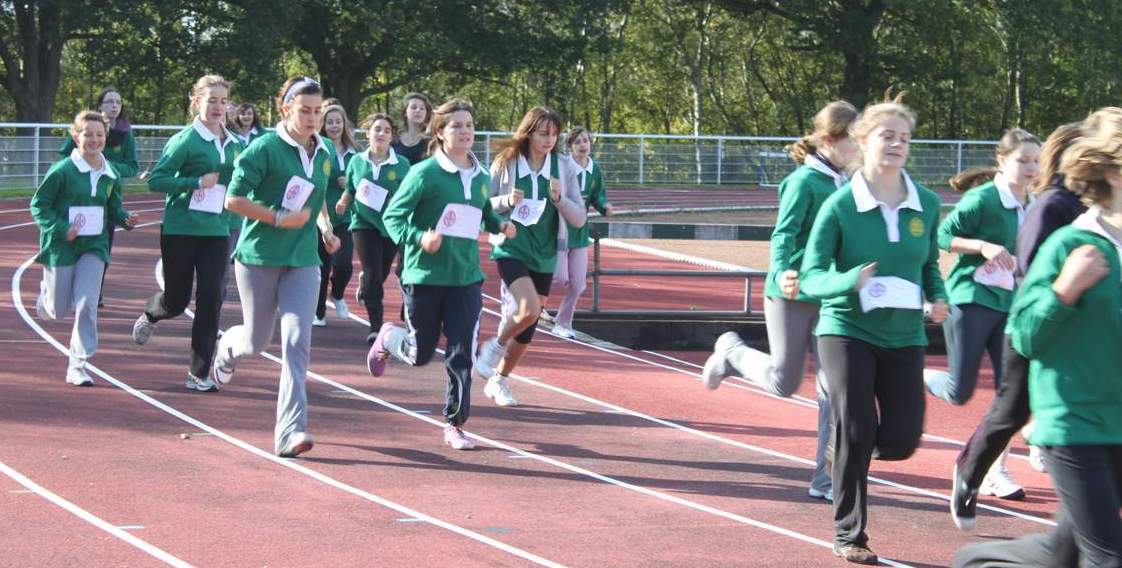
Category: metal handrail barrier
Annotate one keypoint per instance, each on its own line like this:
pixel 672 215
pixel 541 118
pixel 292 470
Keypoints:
pixel 597 272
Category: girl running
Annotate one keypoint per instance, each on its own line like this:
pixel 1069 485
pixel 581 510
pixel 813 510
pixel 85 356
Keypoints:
pixel 193 171
pixel 336 268
pixel 120 148
pixel 537 188
pixel 278 186
pixel 76 206
pixel 435 217
pixel 372 180
pixel 871 259
pixel 982 229
pixel 573 242
pixel 790 314
pixel 1054 207
pixel 1065 320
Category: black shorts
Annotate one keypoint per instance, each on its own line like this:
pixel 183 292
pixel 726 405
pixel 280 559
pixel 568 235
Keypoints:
pixel 511 269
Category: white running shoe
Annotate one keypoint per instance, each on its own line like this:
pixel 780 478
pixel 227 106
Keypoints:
pixel 320 322
pixel 341 309
pixel 498 390
pixel 78 377
pixel 931 376
pixel 455 437
pixel 201 384
pixel 1036 459
pixel 222 374
pixel 716 366
pixel 358 289
pixel 299 443
pixel 142 329
pixel 562 331
pixel 486 362
pixel 998 483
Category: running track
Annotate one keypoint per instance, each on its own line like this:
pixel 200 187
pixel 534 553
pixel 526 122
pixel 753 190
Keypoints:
pixel 615 457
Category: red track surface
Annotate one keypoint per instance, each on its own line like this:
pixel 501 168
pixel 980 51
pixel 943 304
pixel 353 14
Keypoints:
pixel 614 458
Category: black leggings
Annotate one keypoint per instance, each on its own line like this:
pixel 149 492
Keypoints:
pixel 861 379
pixel 1008 413
pixel 376 253
pixel 336 266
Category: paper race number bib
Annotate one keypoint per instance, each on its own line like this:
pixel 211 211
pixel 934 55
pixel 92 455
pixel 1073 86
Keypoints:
pixel 528 211
pixel 209 200
pixel 460 220
pixel 371 194
pixel 90 221
pixel 296 193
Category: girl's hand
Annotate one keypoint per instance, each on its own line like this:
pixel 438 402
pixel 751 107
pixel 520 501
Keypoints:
pixel 789 284
pixel 1084 267
pixel 340 207
pixel 939 311
pixel 514 197
pixel 342 181
pixel 130 222
pixel 431 241
pixel 508 230
pixel 866 274
pixel 555 189
pixel 609 210
pixel 72 233
pixel 331 243
pixel 208 180
pixel 998 255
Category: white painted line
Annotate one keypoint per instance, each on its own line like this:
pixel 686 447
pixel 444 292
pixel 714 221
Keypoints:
pixel 410 520
pixel 89 517
pixel 131 527
pixel 21 491
pixel 17 300
pixel 729 441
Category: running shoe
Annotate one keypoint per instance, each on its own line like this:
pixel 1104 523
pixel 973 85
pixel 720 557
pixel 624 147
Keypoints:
pixel 716 366
pixel 827 496
pixel 998 483
pixel 201 384
pixel 341 309
pixel 856 553
pixel 320 322
pixel 562 331
pixel 490 354
pixel 142 329
pixel 1036 459
pixel 376 357
pixel 358 289
pixel 299 443
pixel 78 377
pixel 498 390
pixel 964 502
pixel 454 436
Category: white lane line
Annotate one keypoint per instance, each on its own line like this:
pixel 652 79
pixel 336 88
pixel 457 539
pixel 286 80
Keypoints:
pixel 518 453
pixel 146 547
pixel 729 441
pixel 131 527
pixel 21 491
pixel 28 224
pixel 17 300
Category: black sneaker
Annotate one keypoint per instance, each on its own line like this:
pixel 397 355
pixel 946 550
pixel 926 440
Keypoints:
pixel 856 553
pixel 964 502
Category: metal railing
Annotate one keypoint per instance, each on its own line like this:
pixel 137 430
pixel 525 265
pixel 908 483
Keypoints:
pixel 598 272
pixel 28 150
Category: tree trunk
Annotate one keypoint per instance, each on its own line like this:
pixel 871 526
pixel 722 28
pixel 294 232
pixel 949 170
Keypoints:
pixel 40 37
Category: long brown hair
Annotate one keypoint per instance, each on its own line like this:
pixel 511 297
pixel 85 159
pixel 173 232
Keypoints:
pixel 833 122
pixel 1052 153
pixel 312 87
pixel 405 109
pixel 345 137
pixel 519 144
pixel 440 117
pixel 1010 141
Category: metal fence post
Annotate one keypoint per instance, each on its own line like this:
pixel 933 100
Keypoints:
pixel 487 148
pixel 720 156
pixel 958 161
pixel 35 159
pixel 595 273
pixel 642 145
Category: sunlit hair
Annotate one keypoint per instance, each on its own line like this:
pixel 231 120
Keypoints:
pixel 242 108
pixel 519 144
pixel 833 121
pixel 1013 139
pixel 441 115
pixel 877 114
pixel 345 137
pixel 85 116
pixel 287 93
pixel 1052 153
pixel 205 83
pixel 1086 163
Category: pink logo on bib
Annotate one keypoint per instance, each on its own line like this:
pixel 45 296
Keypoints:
pixel 877 290
pixel 198 196
pixel 293 191
pixel 524 212
pixel 80 220
pixel 449 218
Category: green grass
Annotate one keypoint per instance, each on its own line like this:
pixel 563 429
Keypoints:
pixel 14 192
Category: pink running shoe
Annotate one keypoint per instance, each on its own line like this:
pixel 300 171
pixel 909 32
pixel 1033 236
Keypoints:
pixel 376 357
pixel 454 436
